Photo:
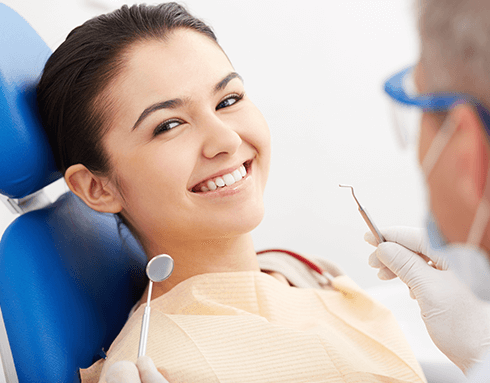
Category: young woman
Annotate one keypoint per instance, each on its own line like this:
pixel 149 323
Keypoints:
pixel 149 120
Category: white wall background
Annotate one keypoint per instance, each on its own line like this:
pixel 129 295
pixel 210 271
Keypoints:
pixel 315 69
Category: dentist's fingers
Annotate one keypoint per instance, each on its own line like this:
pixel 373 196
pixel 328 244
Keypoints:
pixel 123 372
pixel 369 238
pixel 411 293
pixel 406 264
pixel 148 371
pixel 412 238
pixel 384 273
pixel 374 261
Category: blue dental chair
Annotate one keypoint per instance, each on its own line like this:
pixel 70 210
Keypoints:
pixel 68 275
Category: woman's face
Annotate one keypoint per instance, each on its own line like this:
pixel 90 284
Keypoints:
pixel 183 127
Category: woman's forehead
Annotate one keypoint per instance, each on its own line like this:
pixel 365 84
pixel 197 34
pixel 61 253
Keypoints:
pixel 186 65
pixel 182 51
pixel 185 62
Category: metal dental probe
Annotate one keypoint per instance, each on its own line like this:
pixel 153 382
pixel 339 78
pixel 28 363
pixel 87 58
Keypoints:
pixel 377 234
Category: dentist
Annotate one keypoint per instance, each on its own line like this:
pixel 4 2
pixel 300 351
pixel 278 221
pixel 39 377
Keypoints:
pixel 446 98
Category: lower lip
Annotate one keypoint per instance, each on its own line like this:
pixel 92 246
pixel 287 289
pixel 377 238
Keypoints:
pixel 231 190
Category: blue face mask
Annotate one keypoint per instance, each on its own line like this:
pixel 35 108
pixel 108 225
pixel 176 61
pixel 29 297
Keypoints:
pixel 469 263
pixel 436 238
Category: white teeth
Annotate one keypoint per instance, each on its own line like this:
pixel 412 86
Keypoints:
pixel 236 175
pixel 225 180
pixel 229 179
pixel 219 182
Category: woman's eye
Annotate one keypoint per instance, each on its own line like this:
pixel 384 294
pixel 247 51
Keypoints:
pixel 229 101
pixel 166 125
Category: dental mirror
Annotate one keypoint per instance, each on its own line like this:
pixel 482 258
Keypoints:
pixel 158 269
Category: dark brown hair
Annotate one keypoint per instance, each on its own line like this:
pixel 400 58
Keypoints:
pixel 70 93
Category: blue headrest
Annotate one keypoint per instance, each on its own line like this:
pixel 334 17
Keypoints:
pixel 68 282
pixel 26 160
pixel 68 275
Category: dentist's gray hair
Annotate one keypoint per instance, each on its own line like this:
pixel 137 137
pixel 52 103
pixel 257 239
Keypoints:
pixel 455 46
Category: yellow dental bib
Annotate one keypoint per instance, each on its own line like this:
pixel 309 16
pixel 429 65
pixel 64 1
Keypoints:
pixel 249 327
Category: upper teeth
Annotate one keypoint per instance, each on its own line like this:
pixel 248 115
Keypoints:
pixel 225 180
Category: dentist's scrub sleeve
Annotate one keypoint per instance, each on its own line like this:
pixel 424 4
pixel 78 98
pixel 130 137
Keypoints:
pixel 249 327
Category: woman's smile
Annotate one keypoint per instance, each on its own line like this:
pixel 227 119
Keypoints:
pixel 224 179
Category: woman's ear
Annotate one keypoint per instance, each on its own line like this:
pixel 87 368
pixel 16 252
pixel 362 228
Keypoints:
pixel 471 149
pixel 97 192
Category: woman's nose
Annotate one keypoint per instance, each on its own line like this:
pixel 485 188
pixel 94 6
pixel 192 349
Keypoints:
pixel 219 138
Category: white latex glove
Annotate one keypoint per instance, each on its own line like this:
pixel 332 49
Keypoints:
pixel 144 371
pixel 457 321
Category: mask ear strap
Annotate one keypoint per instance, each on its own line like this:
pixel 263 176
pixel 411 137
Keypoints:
pixel 482 216
pixel 437 146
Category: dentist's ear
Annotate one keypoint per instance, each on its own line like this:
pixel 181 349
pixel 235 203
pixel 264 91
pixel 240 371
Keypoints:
pixel 97 192
pixel 472 153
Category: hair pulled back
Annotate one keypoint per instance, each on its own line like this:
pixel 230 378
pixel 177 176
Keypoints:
pixel 72 111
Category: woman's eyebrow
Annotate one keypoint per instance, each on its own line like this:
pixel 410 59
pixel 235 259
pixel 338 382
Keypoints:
pixel 176 102
pixel 170 104
pixel 222 84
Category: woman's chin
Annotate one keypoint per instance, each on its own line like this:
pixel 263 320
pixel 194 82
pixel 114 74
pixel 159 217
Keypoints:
pixel 232 225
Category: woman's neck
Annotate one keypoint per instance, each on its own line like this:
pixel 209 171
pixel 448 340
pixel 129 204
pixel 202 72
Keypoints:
pixel 205 256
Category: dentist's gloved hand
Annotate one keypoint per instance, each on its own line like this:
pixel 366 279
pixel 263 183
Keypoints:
pixel 457 321
pixel 144 371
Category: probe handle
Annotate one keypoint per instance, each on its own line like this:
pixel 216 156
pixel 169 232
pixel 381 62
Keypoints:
pixel 377 234
pixel 145 325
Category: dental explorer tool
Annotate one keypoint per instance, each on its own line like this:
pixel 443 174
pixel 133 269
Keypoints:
pixel 158 269
pixel 377 234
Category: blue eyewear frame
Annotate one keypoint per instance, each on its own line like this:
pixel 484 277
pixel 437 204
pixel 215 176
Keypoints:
pixel 433 102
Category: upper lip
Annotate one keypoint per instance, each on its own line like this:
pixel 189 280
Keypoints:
pixel 220 173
